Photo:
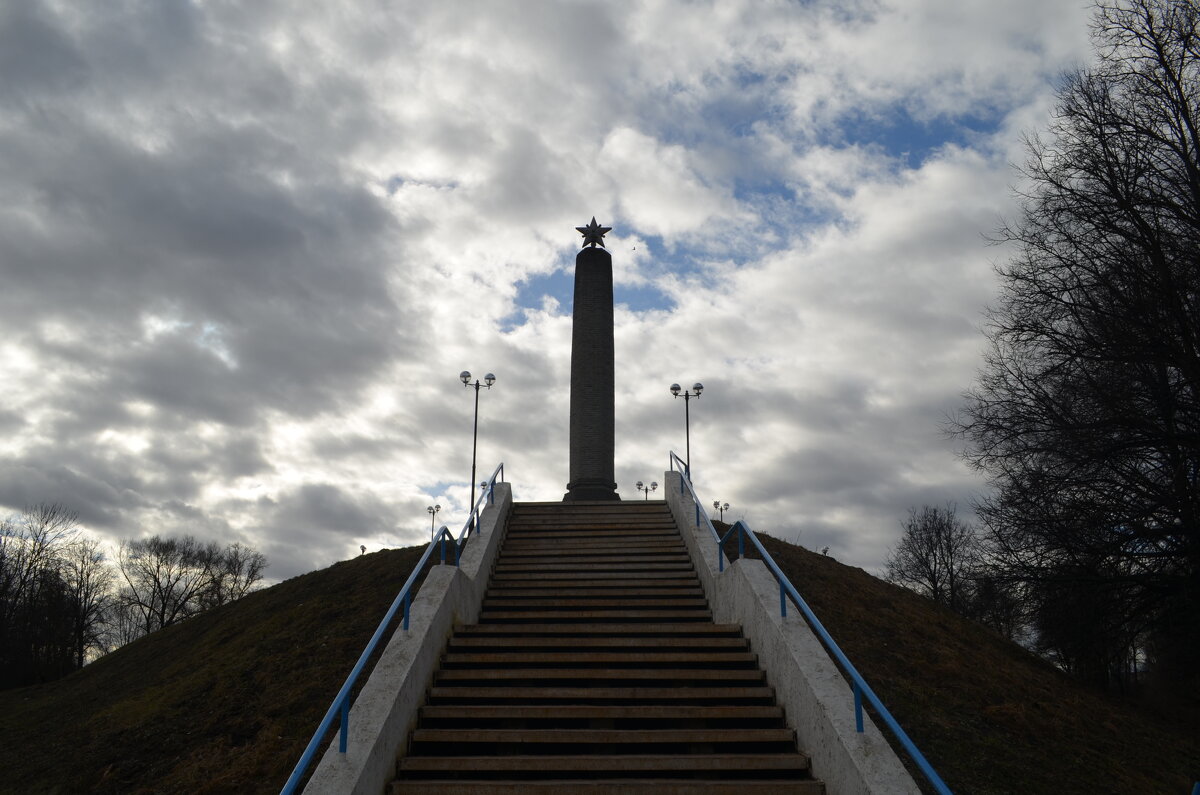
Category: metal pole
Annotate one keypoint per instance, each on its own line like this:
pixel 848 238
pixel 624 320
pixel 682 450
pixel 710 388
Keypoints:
pixel 687 432
pixel 474 442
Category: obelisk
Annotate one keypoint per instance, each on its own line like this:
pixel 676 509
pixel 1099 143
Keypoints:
pixel 592 412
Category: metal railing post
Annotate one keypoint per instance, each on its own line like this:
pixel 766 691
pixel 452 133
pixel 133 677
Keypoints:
pixel 344 731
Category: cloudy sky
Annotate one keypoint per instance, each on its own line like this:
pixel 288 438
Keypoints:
pixel 247 247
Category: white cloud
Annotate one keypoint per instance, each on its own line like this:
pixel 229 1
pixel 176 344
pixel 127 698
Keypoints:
pixel 246 250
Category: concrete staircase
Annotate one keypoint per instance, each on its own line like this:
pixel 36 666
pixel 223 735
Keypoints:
pixel 596 667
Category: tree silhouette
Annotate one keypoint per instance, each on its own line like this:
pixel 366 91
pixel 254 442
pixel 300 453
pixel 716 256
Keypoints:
pixel 1086 417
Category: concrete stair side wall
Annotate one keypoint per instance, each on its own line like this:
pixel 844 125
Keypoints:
pixel 386 708
pixel 817 699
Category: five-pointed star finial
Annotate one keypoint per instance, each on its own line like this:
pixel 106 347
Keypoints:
pixel 593 233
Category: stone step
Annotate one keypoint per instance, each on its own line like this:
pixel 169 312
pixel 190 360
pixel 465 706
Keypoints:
pixel 518 568
pixel 645 712
pixel 622 786
pixel 645 695
pixel 609 546
pixel 542 616
pixel 573 642
pixel 568 530
pixel 626 763
pixel 612 602
pixel 605 578
pixel 620 629
pixel 615 592
pixel 540 550
pixel 730 677
pixel 549 563
pixel 621 512
pixel 557 539
pixel 585 505
pixel 621 737
pixel 559 535
pixel 615 559
pixel 589 657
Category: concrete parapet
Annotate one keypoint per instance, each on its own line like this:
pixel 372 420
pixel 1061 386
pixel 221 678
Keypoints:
pixel 386 708
pixel 817 699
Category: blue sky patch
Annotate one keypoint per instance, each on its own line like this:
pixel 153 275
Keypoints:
pixel 641 297
pixel 560 285
pixel 913 140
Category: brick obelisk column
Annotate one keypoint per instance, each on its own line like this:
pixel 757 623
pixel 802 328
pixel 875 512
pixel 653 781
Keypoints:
pixel 592 412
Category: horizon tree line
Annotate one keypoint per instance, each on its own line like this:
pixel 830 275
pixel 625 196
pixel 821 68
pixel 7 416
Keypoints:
pixel 64 602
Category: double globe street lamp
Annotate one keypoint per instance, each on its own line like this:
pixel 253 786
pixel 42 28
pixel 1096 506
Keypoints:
pixel 697 388
pixel 432 509
pixel 647 489
pixel 488 380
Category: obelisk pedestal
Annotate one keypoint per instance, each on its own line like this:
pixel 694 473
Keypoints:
pixel 592 386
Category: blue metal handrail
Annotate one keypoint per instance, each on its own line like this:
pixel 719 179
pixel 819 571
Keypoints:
pixel 787 590
pixel 340 708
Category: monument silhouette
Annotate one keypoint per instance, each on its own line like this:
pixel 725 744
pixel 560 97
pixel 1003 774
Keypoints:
pixel 592 387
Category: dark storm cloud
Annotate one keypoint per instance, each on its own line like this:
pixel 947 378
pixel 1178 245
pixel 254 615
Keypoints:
pixel 319 509
pixel 334 446
pixel 36 57
pixel 101 495
pixel 10 421
pixel 109 485
pixel 318 519
pixel 177 231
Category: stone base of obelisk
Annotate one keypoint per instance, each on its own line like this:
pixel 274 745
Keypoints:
pixel 591 492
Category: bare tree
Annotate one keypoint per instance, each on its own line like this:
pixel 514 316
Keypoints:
pixel 89 582
pixel 166 579
pixel 34 606
pixel 31 546
pixel 124 623
pixel 999 603
pixel 59 598
pixel 1086 417
pixel 239 570
pixel 936 555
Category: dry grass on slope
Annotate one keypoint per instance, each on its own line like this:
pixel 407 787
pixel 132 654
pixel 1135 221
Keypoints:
pixel 223 702
pixel 990 716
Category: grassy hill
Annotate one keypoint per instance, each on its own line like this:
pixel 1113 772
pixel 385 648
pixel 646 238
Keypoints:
pixel 225 702
pixel 990 716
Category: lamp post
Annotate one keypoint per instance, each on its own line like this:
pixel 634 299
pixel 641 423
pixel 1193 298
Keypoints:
pixel 697 388
pixel 488 380
pixel 432 509
pixel 647 489
pixel 722 508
